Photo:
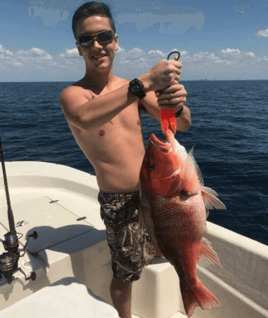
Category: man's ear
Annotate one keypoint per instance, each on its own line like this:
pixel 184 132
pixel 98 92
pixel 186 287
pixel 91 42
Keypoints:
pixel 117 42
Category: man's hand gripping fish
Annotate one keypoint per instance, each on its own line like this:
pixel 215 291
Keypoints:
pixel 174 202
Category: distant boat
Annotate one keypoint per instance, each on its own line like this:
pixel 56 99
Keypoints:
pixel 71 258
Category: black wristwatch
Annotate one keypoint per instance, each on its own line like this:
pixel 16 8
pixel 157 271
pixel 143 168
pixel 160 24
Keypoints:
pixel 136 88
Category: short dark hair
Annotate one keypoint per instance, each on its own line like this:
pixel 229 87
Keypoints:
pixel 89 9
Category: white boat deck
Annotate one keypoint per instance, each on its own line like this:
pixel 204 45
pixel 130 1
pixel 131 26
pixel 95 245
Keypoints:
pixel 60 203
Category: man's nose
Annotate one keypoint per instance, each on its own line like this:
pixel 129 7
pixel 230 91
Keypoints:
pixel 96 44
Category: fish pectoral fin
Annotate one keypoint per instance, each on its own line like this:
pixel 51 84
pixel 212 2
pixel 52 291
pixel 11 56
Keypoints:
pixel 207 213
pixel 210 199
pixel 208 256
pixel 211 191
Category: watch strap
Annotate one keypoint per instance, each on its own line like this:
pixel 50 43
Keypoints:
pixel 179 112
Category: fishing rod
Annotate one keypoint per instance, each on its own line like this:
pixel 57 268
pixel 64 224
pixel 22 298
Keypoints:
pixel 9 260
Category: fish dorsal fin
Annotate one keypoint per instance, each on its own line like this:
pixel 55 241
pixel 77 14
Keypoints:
pixel 208 256
pixel 210 199
pixel 190 178
pixel 197 169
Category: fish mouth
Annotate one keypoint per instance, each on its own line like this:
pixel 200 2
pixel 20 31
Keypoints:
pixel 164 146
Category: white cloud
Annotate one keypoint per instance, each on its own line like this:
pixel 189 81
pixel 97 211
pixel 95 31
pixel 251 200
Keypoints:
pixel 233 52
pixel 203 56
pixel 250 54
pixel 263 59
pixel 262 33
pixel 236 54
pixel 121 49
pixel 18 64
pixel 70 54
pixel 6 57
pixel 173 19
pixel 71 59
pixel 241 8
pixel 227 63
pixel 135 59
pixel 34 56
pixel 4 51
pixel 135 62
pixel 202 59
pixel 156 53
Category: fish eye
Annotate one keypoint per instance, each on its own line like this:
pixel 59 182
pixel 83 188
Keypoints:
pixel 184 192
pixel 184 195
pixel 150 166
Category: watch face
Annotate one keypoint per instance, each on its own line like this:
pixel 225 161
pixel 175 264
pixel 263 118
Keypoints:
pixel 136 87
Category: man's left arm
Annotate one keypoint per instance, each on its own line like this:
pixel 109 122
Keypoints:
pixel 173 97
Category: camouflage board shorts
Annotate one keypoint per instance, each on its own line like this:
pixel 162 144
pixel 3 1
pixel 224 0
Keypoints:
pixel 130 245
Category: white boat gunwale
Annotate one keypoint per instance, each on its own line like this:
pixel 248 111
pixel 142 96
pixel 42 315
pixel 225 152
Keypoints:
pixel 244 261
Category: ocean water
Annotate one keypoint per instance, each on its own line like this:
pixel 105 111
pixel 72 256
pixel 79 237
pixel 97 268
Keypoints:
pixel 229 133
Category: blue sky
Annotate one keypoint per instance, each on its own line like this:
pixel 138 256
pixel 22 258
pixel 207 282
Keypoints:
pixel 217 39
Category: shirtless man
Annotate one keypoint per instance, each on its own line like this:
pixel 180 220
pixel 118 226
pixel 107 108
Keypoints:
pixel 102 111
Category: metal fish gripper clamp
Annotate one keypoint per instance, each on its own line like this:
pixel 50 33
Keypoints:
pixel 167 116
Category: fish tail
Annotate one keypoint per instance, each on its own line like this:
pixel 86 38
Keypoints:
pixel 198 296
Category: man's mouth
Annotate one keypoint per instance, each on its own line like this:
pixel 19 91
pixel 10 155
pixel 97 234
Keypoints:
pixel 98 56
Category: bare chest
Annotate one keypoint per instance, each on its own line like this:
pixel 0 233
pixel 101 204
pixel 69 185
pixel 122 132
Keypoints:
pixel 127 121
pixel 120 133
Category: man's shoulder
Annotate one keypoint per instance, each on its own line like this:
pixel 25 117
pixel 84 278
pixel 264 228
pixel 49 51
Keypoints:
pixel 122 80
pixel 75 88
pixel 72 94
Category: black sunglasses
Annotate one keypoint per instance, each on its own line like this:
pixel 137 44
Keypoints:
pixel 102 37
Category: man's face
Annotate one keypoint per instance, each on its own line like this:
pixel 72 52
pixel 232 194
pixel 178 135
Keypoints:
pixel 99 55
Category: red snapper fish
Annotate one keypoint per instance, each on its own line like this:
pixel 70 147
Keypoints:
pixel 174 203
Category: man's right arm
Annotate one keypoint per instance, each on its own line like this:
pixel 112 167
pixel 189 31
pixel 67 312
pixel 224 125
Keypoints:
pixel 86 112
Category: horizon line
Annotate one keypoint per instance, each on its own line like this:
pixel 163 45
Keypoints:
pixel 188 80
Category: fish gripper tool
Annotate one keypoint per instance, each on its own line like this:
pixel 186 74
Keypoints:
pixel 167 116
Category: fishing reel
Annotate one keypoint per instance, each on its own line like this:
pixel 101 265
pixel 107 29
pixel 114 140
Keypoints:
pixel 9 259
